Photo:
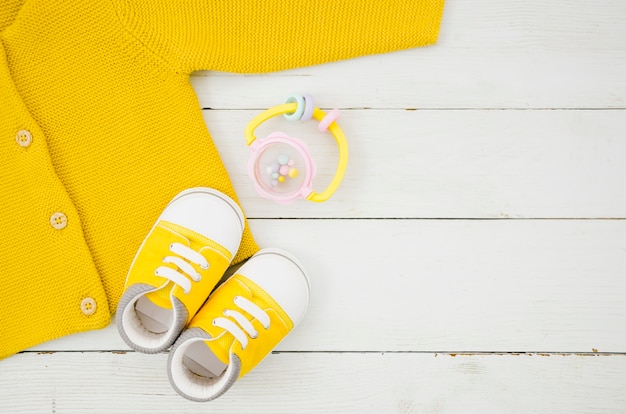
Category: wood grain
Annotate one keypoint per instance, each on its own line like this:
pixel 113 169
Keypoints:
pixel 324 383
pixel 450 164
pixel 449 285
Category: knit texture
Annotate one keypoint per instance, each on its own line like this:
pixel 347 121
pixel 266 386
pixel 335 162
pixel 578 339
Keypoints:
pixel 103 87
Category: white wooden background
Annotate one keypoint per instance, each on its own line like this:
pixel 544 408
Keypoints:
pixel 473 260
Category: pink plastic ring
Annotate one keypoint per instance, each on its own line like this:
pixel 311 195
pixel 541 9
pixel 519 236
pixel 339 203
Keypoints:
pixel 308 108
pixel 331 117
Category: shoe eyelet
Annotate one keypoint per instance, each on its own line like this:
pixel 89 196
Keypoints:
pixel 205 267
pixel 255 336
pixel 213 322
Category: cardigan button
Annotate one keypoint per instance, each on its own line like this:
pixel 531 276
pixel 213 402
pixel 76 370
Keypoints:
pixel 88 306
pixel 58 221
pixel 23 138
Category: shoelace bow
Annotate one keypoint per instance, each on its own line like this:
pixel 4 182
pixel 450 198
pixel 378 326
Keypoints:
pixel 185 271
pixel 243 324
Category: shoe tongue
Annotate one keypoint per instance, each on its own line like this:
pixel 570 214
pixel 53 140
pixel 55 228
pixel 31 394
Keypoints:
pixel 204 358
pixel 161 297
pixel 155 309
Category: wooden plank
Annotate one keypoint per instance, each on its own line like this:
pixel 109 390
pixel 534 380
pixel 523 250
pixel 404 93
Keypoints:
pixel 323 382
pixel 490 54
pixel 449 285
pixel 450 164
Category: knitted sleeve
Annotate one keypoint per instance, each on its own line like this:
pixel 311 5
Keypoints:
pixel 251 36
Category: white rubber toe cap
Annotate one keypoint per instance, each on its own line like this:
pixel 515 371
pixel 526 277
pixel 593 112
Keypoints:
pixel 208 212
pixel 282 277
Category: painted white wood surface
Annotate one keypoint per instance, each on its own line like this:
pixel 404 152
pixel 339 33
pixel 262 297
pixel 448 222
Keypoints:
pixel 449 285
pixel 450 164
pixel 326 383
pixel 483 211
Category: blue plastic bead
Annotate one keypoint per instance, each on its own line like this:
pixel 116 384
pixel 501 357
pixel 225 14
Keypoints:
pixel 283 159
pixel 300 103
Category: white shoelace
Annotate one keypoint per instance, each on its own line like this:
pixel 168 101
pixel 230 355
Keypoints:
pixel 243 324
pixel 185 269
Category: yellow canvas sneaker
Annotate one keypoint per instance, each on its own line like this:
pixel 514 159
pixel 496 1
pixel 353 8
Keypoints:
pixel 239 325
pixel 179 263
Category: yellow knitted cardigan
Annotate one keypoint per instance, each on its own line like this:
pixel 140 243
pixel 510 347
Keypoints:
pixel 100 128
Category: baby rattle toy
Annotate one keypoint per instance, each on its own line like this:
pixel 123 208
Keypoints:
pixel 281 166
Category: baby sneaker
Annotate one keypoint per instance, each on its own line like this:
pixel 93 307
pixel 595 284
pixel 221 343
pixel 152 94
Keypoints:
pixel 179 263
pixel 239 325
